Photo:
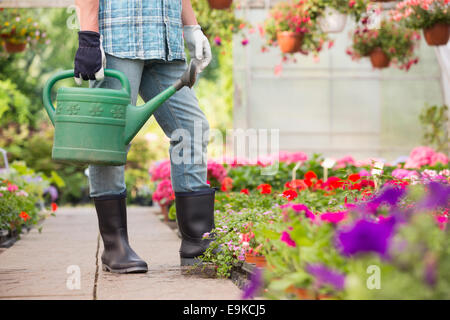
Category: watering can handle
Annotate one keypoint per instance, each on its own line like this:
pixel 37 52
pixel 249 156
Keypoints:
pixel 70 74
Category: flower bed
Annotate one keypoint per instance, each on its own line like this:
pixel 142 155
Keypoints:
pixel 330 238
pixel 22 193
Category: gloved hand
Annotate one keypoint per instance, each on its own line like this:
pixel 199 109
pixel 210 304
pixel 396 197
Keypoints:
pixel 90 59
pixel 198 45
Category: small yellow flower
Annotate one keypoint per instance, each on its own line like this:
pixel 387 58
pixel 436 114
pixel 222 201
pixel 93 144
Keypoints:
pixel 29 20
pixel 6 23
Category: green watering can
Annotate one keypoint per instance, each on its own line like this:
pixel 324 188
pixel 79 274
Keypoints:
pixel 95 125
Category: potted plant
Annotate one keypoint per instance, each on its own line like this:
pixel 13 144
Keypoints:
pixel 332 14
pixel 389 43
pixel 291 26
pixel 432 16
pixel 220 4
pixel 164 195
pixel 17 31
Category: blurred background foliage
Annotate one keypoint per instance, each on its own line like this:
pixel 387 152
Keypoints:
pixel 27 134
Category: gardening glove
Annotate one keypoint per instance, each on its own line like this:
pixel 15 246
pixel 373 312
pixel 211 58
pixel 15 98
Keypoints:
pixel 198 45
pixel 90 60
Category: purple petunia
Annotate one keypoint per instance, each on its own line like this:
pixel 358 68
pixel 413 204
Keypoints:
pixel 366 236
pixel 390 195
pixel 255 284
pixel 53 193
pixel 438 196
pixel 326 276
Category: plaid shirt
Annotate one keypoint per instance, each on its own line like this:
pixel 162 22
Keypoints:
pixel 142 29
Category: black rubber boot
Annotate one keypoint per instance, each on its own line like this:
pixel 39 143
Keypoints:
pixel 117 257
pixel 195 216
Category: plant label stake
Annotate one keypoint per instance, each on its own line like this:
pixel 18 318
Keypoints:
pixel 95 125
pixel 328 163
pixel 294 171
pixel 377 170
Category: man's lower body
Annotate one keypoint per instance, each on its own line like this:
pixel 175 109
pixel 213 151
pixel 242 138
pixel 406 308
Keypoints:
pixel 187 128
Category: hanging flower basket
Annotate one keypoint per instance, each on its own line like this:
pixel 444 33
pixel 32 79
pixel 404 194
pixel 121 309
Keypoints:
pixel 289 42
pixel 332 21
pixel 14 47
pixel 220 4
pixel 379 59
pixel 17 31
pixel 438 34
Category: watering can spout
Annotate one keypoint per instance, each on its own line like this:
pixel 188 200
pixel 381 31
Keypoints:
pixel 138 116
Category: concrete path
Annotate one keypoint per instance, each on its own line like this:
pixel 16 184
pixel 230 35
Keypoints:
pixel 63 262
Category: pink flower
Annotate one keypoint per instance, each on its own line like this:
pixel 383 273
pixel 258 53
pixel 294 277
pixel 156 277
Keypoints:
pixel 334 217
pixel 218 40
pixel 12 187
pixel 344 161
pixel 404 173
pixel 244 42
pixel 439 157
pixel 278 69
pixel 216 170
pixel 164 193
pixel 364 173
pixel 292 157
pixel 422 156
pixel 286 238
pixel 160 170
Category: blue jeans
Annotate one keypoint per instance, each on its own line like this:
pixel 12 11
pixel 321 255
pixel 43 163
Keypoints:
pixel 179 114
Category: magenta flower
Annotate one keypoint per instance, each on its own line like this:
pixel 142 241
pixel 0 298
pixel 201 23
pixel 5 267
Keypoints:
pixel 286 238
pixel 244 42
pixel 160 170
pixel 12 187
pixel 326 276
pixel 334 217
pixel 299 207
pixel 218 41
pixel 365 236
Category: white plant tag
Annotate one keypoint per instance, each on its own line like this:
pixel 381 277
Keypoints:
pixel 328 163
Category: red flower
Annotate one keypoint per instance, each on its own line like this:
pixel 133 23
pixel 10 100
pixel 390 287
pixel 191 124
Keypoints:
pixel 24 216
pixel 245 191
pixel 297 183
pixel 54 207
pixel 227 184
pixel 354 177
pixel 334 183
pixel 356 186
pixel 290 194
pixel 310 175
pixel 265 188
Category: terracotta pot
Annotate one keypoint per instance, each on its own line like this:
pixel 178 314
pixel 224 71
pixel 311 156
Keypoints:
pixel 332 21
pixel 438 34
pixel 379 59
pixel 259 261
pixel 14 47
pixel 220 4
pixel 289 42
pixel 165 212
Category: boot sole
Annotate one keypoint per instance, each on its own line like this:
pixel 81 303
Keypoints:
pixel 125 270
